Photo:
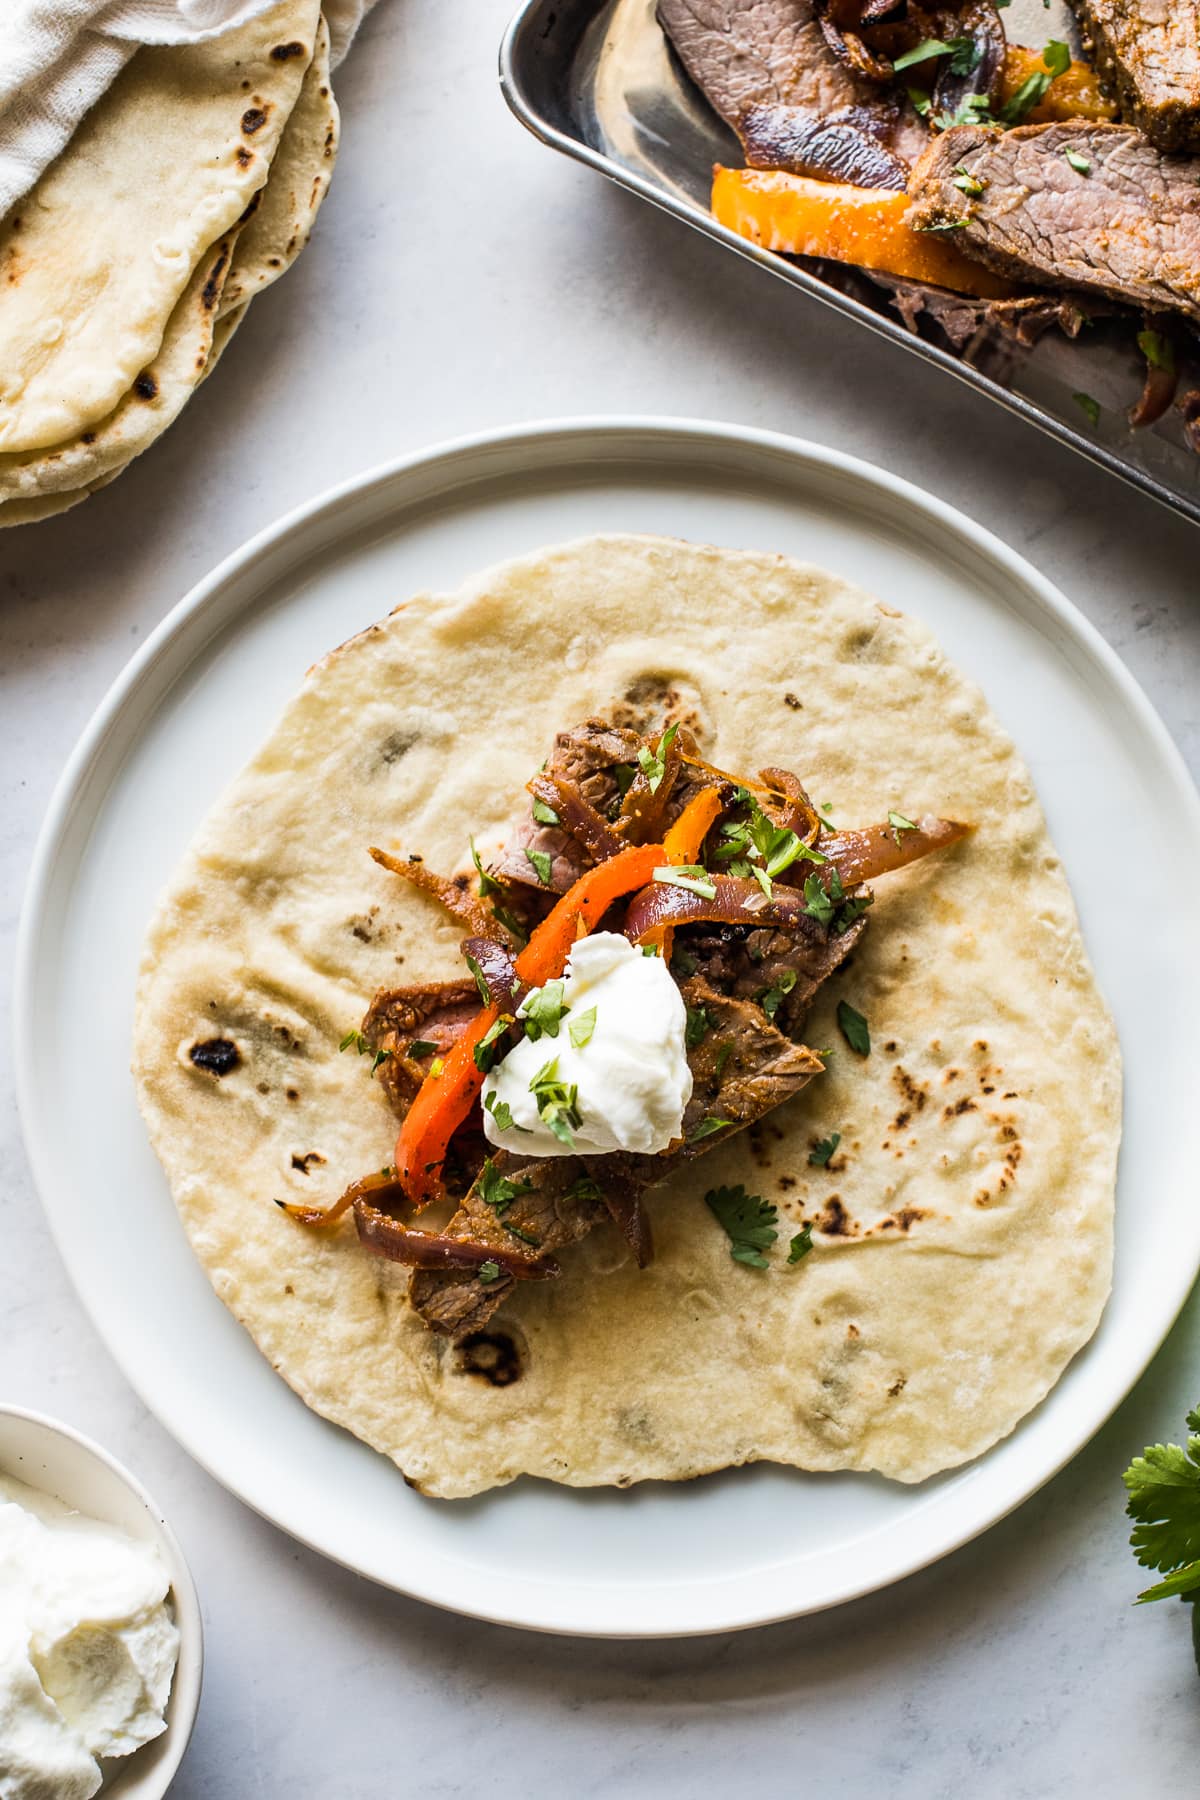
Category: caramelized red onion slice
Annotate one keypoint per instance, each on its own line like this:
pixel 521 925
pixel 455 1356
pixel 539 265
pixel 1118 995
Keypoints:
pixel 455 895
pixel 498 969
pixel 578 816
pixel 799 814
pixel 623 1198
pixel 643 808
pixel 980 22
pixel 880 849
pixel 390 1237
pixel 738 901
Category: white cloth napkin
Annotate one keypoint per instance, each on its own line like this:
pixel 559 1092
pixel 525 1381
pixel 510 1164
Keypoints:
pixel 58 56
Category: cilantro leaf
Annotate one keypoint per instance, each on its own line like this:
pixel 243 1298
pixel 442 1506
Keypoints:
pixel 421 1047
pixel 485 992
pixel 747 1220
pixel 899 823
pixel 687 875
pixel 723 1056
pixel 487 884
pixel 1087 404
pixel 698 1026
pixel 820 1154
pixel 817 903
pixel 542 1010
pixel 484 1052
pixel 854 1028
pixel 356 1039
pixel 557 1102
pixel 706 1128
pixel 775 995
pixel 545 815
pixel 1157 350
pixel 1080 164
pixel 581 1028
pixel 489 1271
pixel 801 1244
pixel 496 1190
pixel 501 1111
pixel 1164 1502
pixel 654 767
pixel 381 1056
pixel 1056 60
pixel 541 865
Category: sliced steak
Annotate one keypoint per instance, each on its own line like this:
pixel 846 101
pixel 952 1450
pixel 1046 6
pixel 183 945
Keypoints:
pixel 433 1013
pixel 587 758
pixel 555 1204
pixel 742 1068
pixel 1127 227
pixel 769 69
pixel 1148 51
pixel 783 968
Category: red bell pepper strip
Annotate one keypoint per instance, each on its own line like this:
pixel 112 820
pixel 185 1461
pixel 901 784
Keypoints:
pixel 443 1101
pixel 682 844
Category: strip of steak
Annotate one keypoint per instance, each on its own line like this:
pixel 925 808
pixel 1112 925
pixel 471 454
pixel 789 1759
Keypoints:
pixel 743 1068
pixel 1127 226
pixel 767 67
pixel 1148 51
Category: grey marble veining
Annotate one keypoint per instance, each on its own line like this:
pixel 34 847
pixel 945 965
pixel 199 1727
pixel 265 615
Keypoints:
pixel 461 276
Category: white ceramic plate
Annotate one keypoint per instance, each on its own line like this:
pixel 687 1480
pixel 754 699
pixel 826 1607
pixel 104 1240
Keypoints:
pixel 731 1550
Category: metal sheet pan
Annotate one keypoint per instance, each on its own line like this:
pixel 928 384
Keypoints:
pixel 597 80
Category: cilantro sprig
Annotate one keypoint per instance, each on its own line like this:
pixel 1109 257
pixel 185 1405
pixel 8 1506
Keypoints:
pixel 751 1225
pixel 1164 1504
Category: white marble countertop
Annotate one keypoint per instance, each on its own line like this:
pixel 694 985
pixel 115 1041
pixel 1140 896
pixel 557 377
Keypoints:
pixel 462 276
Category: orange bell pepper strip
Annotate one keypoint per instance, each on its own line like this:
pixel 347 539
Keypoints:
pixel 682 845
pixel 865 226
pixel 443 1101
pixel 1075 94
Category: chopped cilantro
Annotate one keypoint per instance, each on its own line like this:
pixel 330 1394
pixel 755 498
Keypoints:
pixel 1157 350
pixel 654 767
pixel 487 884
pixel 484 1052
pixel 706 1127
pixel 723 1056
pixel 854 1028
pixel 683 962
pixel 819 1156
pixel 542 1010
pixel 899 823
pixel 698 1026
pixel 545 815
pixel 501 1111
pixel 800 1245
pixel 436 1067
pixel 557 1102
pixel 489 1271
pixel 357 1039
pixel 485 993
pixel 381 1056
pixel 923 52
pixel 581 1028
pixel 510 922
pixel 421 1047
pixel 690 876
pixel 775 995
pixel 1088 405
pixel 541 865
pixel 763 880
pixel 624 774
pixel 496 1190
pixel 1056 60
pixel 526 1237
pixel 967 183
pixel 817 903
pixel 747 1220
pixel 1080 164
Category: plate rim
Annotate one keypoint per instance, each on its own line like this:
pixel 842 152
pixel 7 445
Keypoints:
pixel 587 435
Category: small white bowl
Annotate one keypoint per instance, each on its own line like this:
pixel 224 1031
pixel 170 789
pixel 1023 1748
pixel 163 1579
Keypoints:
pixel 58 1460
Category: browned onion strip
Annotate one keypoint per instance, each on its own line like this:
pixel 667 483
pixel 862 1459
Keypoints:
pixel 642 809
pixel 459 900
pixel 1158 391
pixel 578 816
pixel 428 1250
pixel 738 901
pixel 623 1198
pixel 802 816
pixel 879 849
pixel 496 965
pixel 383 1184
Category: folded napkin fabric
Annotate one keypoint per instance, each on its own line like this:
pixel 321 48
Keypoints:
pixel 57 57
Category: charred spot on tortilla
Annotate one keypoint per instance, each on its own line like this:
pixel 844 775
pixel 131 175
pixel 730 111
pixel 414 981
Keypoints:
pixel 284 52
pixel 253 119
pixel 303 1163
pixel 493 1355
pixel 216 1056
pixel 145 386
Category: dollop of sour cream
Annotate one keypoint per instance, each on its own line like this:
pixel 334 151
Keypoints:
pixel 627 1063
pixel 87 1646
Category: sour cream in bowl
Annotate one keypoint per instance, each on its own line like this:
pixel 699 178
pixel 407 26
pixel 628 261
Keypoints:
pixel 72 1519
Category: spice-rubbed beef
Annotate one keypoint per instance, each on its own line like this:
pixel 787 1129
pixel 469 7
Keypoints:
pixel 742 1068
pixel 433 1015
pixel 781 969
pixel 769 69
pixel 588 758
pixel 1127 225
pixel 1148 51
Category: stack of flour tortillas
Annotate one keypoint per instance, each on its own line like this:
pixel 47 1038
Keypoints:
pixel 188 188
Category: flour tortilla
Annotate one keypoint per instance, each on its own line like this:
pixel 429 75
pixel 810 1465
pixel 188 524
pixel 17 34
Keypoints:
pixel 95 259
pixel 984 1124
pixel 36 484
